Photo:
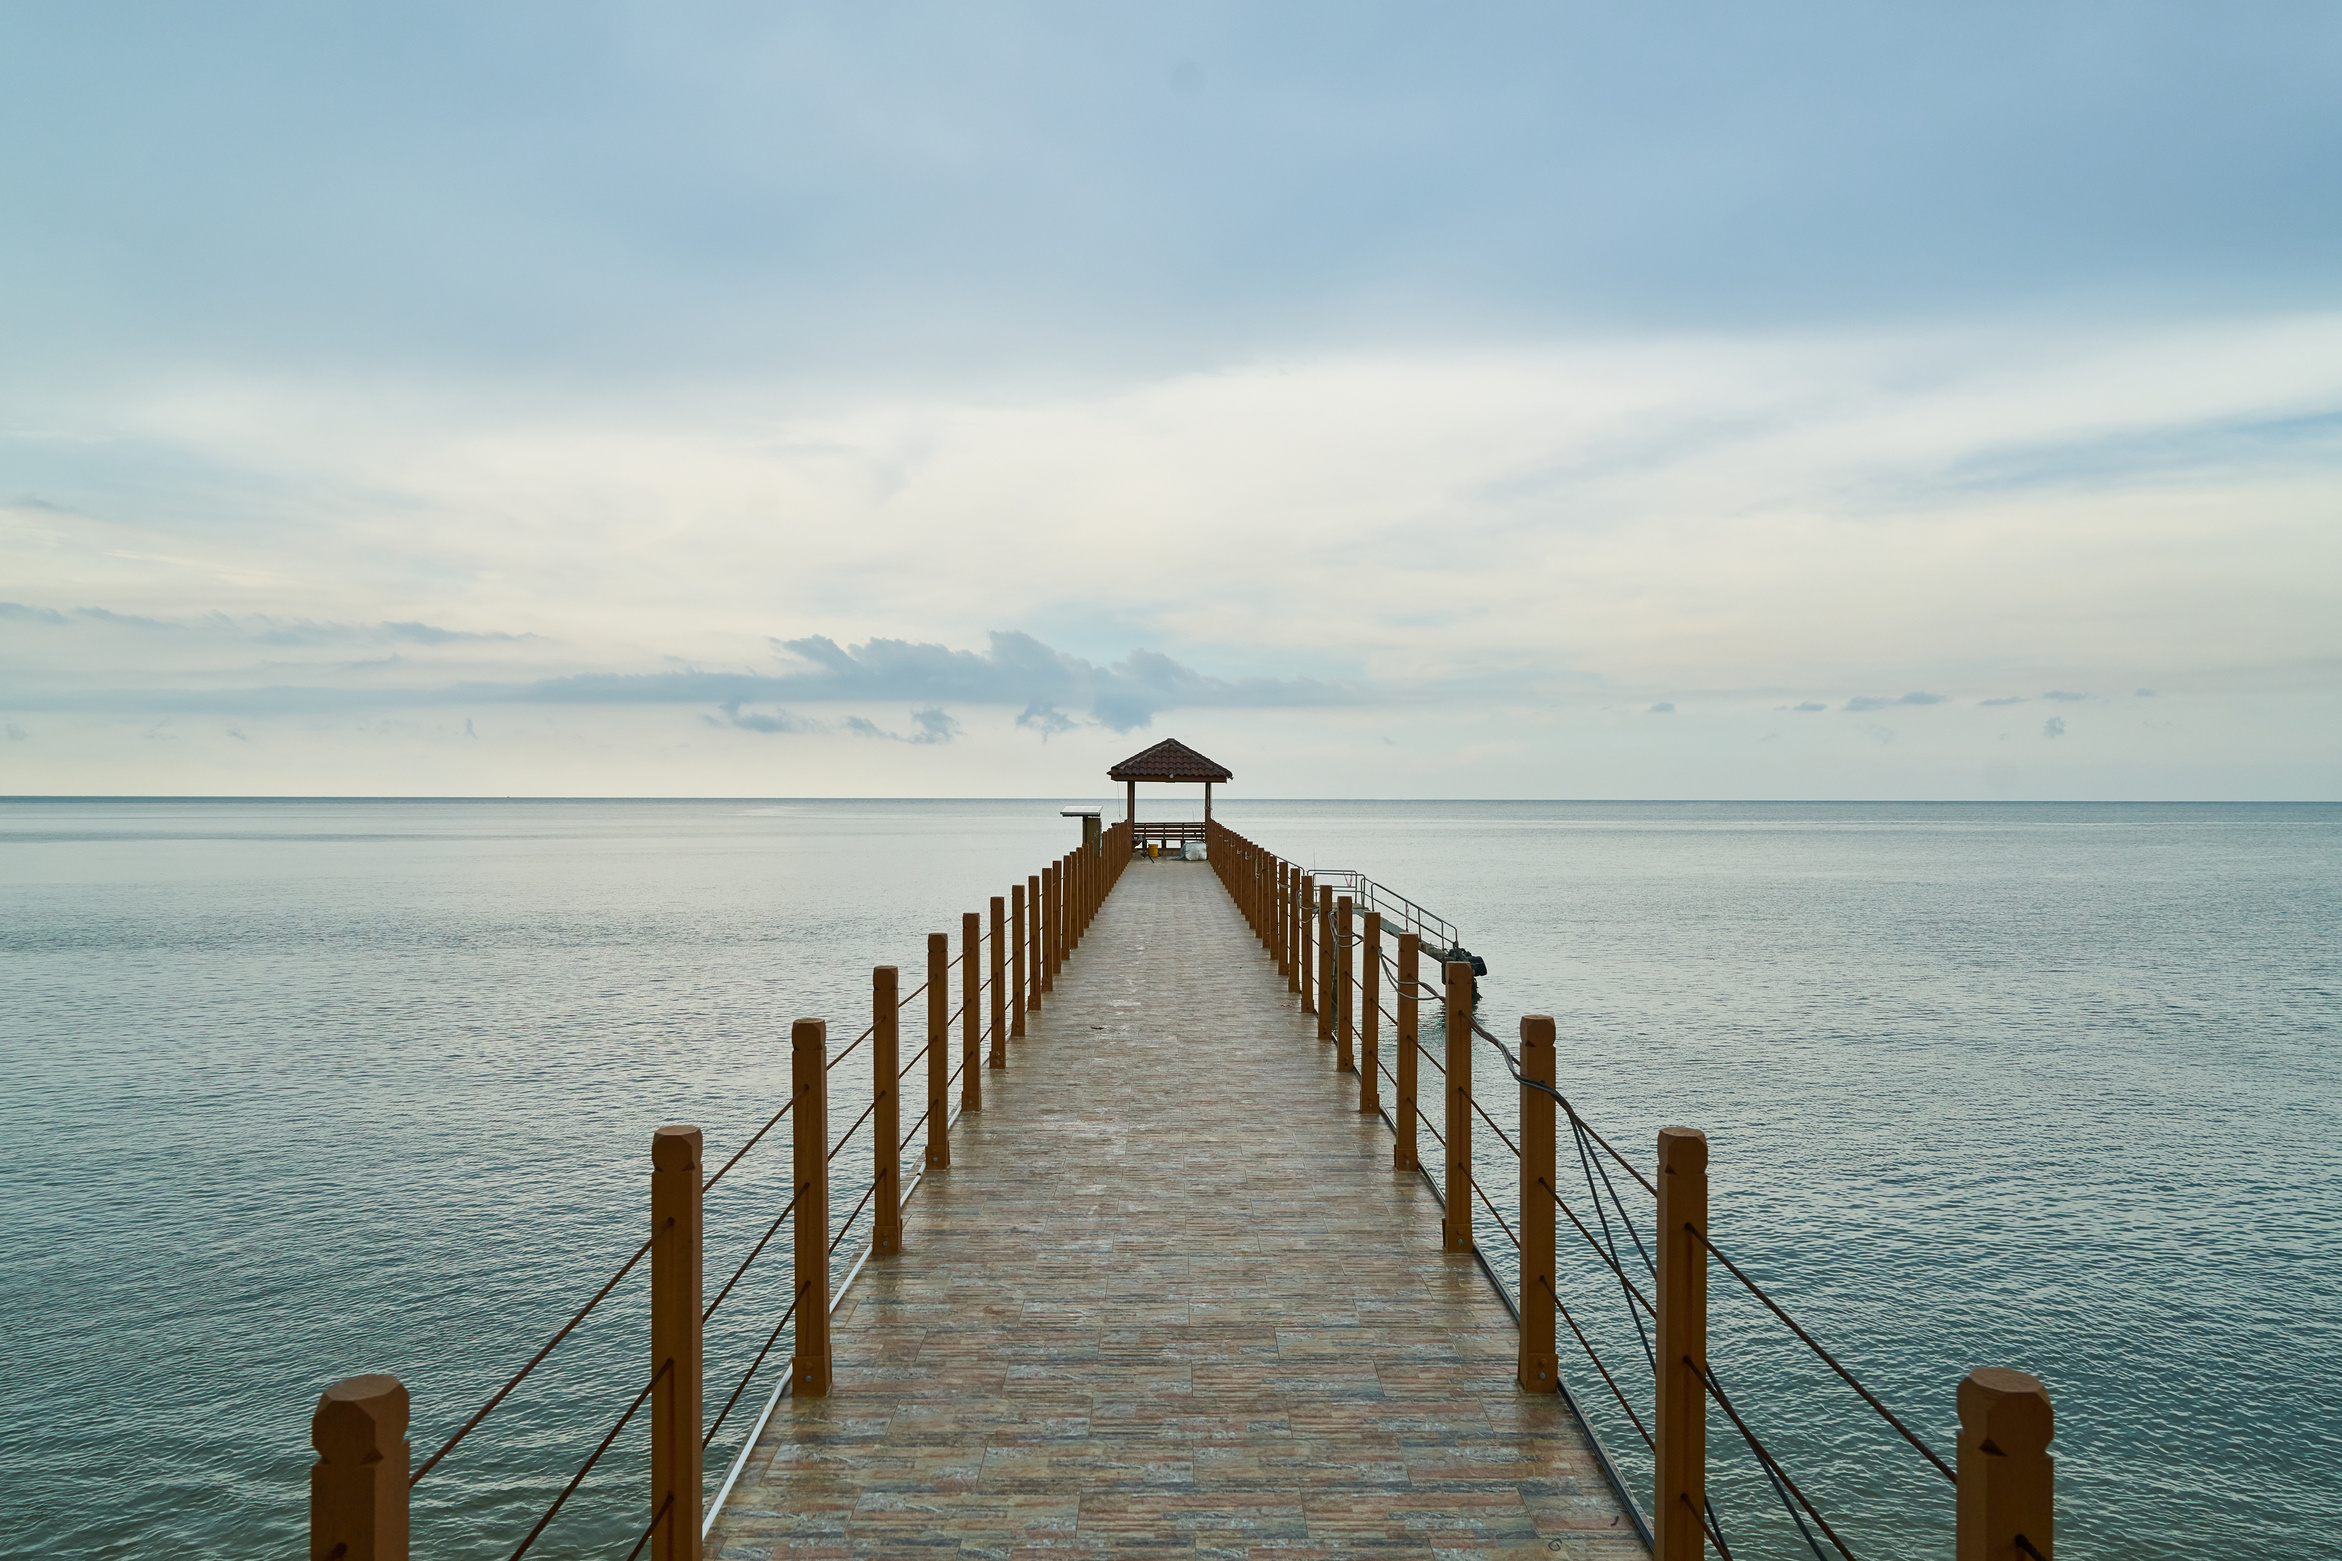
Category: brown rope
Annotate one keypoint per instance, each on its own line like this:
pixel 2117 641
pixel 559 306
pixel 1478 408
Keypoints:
pixel 1774 1464
pixel 1811 1343
pixel 1587 1345
pixel 1600 1251
pixel 752 1252
pixel 753 1367
pixel 498 1396
pixel 595 1457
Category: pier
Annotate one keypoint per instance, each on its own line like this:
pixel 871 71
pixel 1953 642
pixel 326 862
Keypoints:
pixel 1181 1254
pixel 1170 1295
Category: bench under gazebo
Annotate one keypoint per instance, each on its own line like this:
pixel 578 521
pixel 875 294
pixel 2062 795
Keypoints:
pixel 1172 763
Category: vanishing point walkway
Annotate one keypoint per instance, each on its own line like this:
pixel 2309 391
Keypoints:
pixel 1170 1298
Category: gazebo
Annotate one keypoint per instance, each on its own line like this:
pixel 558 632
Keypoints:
pixel 1169 762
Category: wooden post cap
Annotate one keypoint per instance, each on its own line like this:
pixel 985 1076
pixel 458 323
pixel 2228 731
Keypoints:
pixel 2008 1412
pixel 1683 1148
pixel 674 1147
pixel 360 1420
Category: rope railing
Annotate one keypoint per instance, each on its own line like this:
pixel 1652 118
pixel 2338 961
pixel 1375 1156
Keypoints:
pixel 750 1375
pixel 1765 1456
pixel 1828 1359
pixel 1587 1345
pixel 1013 962
pixel 1301 915
pixel 535 1360
pixel 786 1210
pixel 592 1458
pixel 665 1507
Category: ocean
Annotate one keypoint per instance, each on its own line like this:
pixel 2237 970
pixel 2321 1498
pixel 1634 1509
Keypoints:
pixel 298 1089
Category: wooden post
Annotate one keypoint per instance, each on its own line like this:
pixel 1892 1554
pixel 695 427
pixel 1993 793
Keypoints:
pixel 1016 977
pixel 1289 912
pixel 1539 1369
pixel 1327 943
pixel 1370 1013
pixel 1049 928
pixel 886 1116
pixel 358 1485
pixel 1303 901
pixel 809 1075
pixel 1455 1227
pixel 971 1012
pixel 1345 1008
pixel 1404 1156
pixel 675 1341
pixel 938 1050
pixel 1679 1500
pixel 998 969
pixel 1130 802
pixel 2006 1473
pixel 1031 934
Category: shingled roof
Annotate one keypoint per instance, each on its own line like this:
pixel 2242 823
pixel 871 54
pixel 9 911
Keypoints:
pixel 1169 760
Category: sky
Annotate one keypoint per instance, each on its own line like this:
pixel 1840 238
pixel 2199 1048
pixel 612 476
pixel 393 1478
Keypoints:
pixel 1561 400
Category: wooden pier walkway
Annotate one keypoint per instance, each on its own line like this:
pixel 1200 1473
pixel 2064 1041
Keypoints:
pixel 1171 1298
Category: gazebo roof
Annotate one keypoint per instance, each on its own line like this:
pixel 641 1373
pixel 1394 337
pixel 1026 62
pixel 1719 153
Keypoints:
pixel 1169 760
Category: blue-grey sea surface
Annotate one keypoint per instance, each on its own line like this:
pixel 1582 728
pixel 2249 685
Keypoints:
pixel 297 1089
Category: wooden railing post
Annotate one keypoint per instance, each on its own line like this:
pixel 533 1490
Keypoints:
pixel 997 969
pixel 1455 1227
pixel 809 1370
pixel 1031 937
pixel 1327 942
pixel 938 1050
pixel 358 1485
pixel 1052 941
pixel 675 1343
pixel 1345 1006
pixel 1016 941
pixel 1289 930
pixel 971 1012
pixel 1305 896
pixel 1539 1369
pixel 1679 1501
pixel 1370 1013
pixel 886 1116
pixel 1404 1155
pixel 2006 1474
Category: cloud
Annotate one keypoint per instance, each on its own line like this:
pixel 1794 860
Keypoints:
pixel 2055 726
pixel 307 632
pixel 750 721
pixel 260 629
pixel 16 734
pixel 1915 697
pixel 1661 708
pixel 1048 720
pixel 2005 699
pixel 931 726
pixel 2144 693
pixel 1809 707
pixel 1017 670
pixel 2064 698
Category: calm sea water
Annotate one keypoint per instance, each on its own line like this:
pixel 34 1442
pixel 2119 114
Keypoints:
pixel 299 1089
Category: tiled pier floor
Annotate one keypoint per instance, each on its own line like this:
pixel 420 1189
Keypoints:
pixel 1171 1300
